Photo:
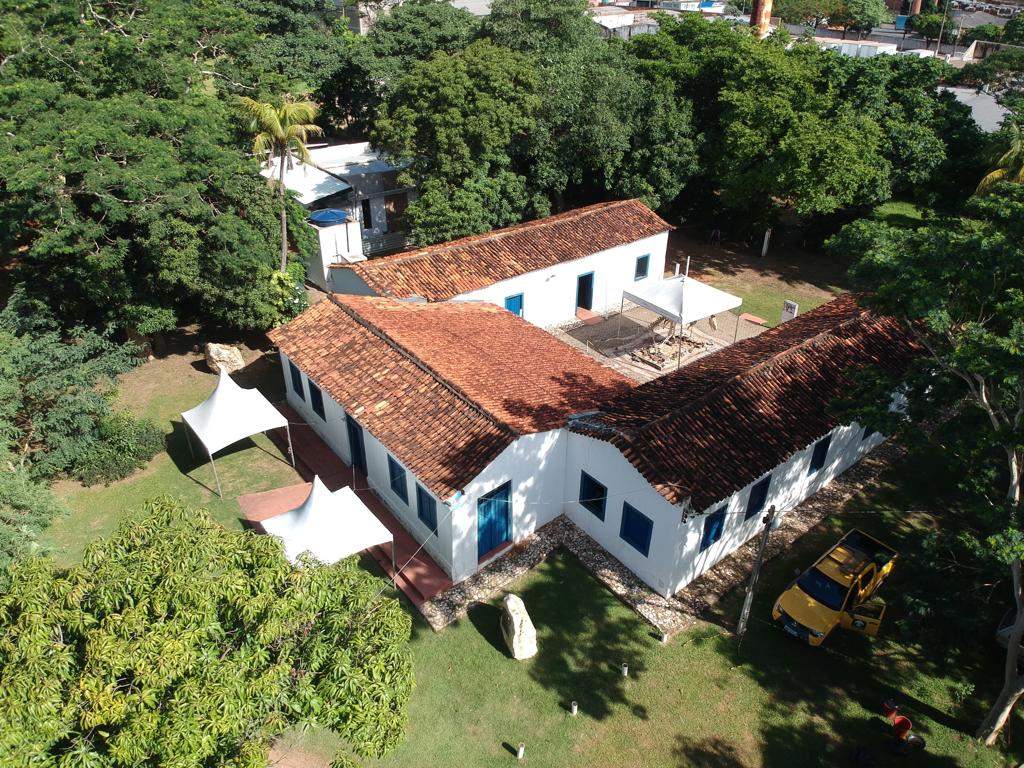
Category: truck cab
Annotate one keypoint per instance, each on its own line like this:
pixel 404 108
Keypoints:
pixel 838 590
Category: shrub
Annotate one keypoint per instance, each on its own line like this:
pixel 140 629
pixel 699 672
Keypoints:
pixel 26 507
pixel 124 444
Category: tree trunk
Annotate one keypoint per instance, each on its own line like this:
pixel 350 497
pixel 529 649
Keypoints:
pixel 1013 682
pixel 284 219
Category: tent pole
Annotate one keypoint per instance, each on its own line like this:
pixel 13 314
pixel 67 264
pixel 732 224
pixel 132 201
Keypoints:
pixel 188 438
pixel 291 453
pixel 215 475
pixel 394 567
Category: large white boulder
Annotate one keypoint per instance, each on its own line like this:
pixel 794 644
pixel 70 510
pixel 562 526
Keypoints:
pixel 520 634
pixel 223 356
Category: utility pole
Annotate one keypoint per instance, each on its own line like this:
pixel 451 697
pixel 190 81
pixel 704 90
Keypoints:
pixel 741 628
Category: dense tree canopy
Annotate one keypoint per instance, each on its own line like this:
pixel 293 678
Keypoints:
pixel 958 284
pixel 122 185
pixel 460 121
pixel 179 642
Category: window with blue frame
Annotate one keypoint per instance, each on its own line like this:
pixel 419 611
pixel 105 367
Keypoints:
pixel 636 529
pixel 758 497
pixel 643 264
pixel 296 380
pixel 714 527
pixel 426 508
pixel 593 495
pixel 514 304
pixel 316 399
pixel 819 455
pixel 396 474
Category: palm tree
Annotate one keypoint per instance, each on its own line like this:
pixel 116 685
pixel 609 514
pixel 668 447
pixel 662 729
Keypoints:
pixel 1009 167
pixel 280 133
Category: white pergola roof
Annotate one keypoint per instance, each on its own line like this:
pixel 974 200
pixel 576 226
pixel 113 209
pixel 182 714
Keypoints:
pixel 683 300
pixel 308 182
pixel 330 526
pixel 231 414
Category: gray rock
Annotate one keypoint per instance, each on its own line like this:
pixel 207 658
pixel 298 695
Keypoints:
pixel 223 356
pixel 516 626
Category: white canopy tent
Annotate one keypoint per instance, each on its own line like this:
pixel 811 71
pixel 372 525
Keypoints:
pixel 329 525
pixel 682 299
pixel 231 414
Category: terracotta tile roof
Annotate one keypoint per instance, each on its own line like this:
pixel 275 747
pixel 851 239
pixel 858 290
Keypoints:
pixel 446 387
pixel 441 272
pixel 711 428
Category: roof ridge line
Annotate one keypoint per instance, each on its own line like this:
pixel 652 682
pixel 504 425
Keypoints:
pixel 419 363
pixel 494 234
pixel 746 372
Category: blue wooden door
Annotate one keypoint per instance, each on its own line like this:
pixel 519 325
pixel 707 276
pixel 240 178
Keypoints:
pixel 355 443
pixel 585 291
pixel 514 304
pixel 494 519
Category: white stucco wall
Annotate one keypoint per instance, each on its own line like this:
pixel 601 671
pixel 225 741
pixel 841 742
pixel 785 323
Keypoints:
pixel 790 485
pixel 608 466
pixel 340 242
pixel 334 432
pixel 549 295
pixel 535 465
pixel 544 472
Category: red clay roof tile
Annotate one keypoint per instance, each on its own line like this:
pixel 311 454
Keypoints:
pixel 445 387
pixel 441 272
pixel 711 428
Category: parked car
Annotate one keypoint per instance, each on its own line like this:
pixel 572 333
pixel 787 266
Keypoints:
pixel 838 590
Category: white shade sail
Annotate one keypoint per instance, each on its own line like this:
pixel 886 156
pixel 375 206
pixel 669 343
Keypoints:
pixel 683 300
pixel 330 526
pixel 231 414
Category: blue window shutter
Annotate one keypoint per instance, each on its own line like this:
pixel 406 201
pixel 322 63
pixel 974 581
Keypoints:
pixel 819 455
pixel 316 399
pixel 296 380
pixel 643 264
pixel 714 526
pixel 758 497
pixel 636 529
pixel 397 476
pixel 593 495
pixel 426 508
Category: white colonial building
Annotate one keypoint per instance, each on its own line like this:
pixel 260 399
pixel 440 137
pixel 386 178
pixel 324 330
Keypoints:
pixel 553 271
pixel 475 428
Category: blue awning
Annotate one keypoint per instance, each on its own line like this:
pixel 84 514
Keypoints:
pixel 328 216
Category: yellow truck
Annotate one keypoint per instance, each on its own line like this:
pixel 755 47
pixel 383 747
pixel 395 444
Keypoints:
pixel 838 591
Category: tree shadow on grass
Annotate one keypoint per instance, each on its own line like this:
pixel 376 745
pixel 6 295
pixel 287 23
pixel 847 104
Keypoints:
pixel 584 636
pixel 711 752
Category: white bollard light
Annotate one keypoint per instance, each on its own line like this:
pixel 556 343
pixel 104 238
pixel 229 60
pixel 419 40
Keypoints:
pixel 625 669
pixel 574 708
pixel 521 751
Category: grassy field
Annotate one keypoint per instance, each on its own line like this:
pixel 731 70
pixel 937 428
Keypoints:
pixel 810 279
pixel 160 390
pixel 699 701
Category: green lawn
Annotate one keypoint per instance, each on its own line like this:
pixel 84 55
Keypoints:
pixel 699 701
pixel 898 213
pixel 160 390
pixel 810 279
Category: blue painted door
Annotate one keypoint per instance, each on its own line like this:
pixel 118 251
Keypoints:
pixel 494 519
pixel 355 443
pixel 585 291
pixel 514 304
